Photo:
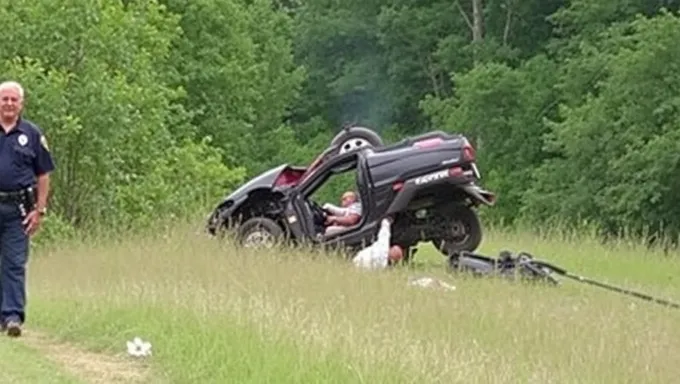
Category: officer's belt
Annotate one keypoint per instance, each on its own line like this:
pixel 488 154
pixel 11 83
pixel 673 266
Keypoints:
pixel 14 196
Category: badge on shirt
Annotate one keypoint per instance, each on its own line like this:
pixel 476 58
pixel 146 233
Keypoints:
pixel 23 140
pixel 43 142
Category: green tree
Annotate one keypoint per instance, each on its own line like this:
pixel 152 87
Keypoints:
pixel 235 61
pixel 95 74
pixel 618 147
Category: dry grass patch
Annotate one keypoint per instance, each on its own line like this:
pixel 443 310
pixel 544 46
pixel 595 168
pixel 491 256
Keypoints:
pixel 91 367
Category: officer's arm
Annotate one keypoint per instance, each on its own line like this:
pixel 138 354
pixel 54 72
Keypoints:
pixel 348 220
pixel 42 167
pixel 43 191
pixel 334 210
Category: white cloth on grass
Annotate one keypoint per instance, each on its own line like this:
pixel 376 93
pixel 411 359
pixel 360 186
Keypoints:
pixel 375 256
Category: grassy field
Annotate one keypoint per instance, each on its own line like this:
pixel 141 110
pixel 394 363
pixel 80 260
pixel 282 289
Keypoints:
pixel 217 314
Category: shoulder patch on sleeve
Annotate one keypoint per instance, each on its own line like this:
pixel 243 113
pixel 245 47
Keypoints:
pixel 43 142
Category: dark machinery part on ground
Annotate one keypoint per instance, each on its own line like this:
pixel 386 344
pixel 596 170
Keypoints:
pixel 524 266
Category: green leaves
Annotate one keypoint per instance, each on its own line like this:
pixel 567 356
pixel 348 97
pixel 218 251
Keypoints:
pixel 235 62
pixel 155 107
pixel 619 145
pixel 95 81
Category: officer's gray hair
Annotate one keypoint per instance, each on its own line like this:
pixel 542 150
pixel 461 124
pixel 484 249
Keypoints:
pixel 12 85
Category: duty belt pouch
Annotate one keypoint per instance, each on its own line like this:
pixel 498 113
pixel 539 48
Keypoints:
pixel 27 200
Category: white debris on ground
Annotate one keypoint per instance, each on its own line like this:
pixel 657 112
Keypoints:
pixel 375 256
pixel 430 282
pixel 138 348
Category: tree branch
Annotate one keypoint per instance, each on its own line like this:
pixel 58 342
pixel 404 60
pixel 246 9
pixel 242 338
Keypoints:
pixel 465 16
pixel 508 21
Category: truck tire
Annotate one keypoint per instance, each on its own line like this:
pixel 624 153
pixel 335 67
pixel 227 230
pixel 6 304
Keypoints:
pixel 463 231
pixel 353 138
pixel 260 232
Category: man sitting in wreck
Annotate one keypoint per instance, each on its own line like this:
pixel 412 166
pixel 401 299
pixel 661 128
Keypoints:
pixel 340 218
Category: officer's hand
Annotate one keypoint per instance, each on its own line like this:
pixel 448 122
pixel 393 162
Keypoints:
pixel 32 222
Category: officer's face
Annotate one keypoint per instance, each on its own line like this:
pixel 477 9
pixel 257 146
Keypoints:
pixel 10 103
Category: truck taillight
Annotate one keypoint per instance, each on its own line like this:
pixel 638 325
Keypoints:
pixel 468 152
pixel 428 143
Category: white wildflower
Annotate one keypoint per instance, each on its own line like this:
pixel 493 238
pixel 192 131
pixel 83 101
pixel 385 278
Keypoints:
pixel 137 347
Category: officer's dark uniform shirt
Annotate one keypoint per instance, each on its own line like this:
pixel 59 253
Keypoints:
pixel 23 156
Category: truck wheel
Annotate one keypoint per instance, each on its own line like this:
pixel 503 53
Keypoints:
pixel 462 231
pixel 259 232
pixel 352 138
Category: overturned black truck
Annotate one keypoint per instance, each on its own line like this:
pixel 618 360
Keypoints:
pixel 427 184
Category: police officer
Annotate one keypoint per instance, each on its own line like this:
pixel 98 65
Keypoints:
pixel 25 165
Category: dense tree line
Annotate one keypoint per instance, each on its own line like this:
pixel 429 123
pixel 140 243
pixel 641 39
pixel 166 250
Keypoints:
pixel 154 107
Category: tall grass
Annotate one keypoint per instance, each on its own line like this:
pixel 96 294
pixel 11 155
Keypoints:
pixel 217 313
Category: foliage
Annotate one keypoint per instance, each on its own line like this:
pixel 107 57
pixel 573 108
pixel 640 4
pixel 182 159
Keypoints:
pixel 618 147
pixel 159 108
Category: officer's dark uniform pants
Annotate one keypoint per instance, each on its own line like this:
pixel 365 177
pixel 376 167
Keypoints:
pixel 13 257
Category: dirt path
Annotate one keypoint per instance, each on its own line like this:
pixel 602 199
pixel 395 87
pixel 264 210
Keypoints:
pixel 91 367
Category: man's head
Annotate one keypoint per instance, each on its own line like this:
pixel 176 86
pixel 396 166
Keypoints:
pixel 11 100
pixel 396 254
pixel 348 198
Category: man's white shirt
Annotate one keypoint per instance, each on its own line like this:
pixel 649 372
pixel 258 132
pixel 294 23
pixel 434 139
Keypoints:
pixel 353 208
